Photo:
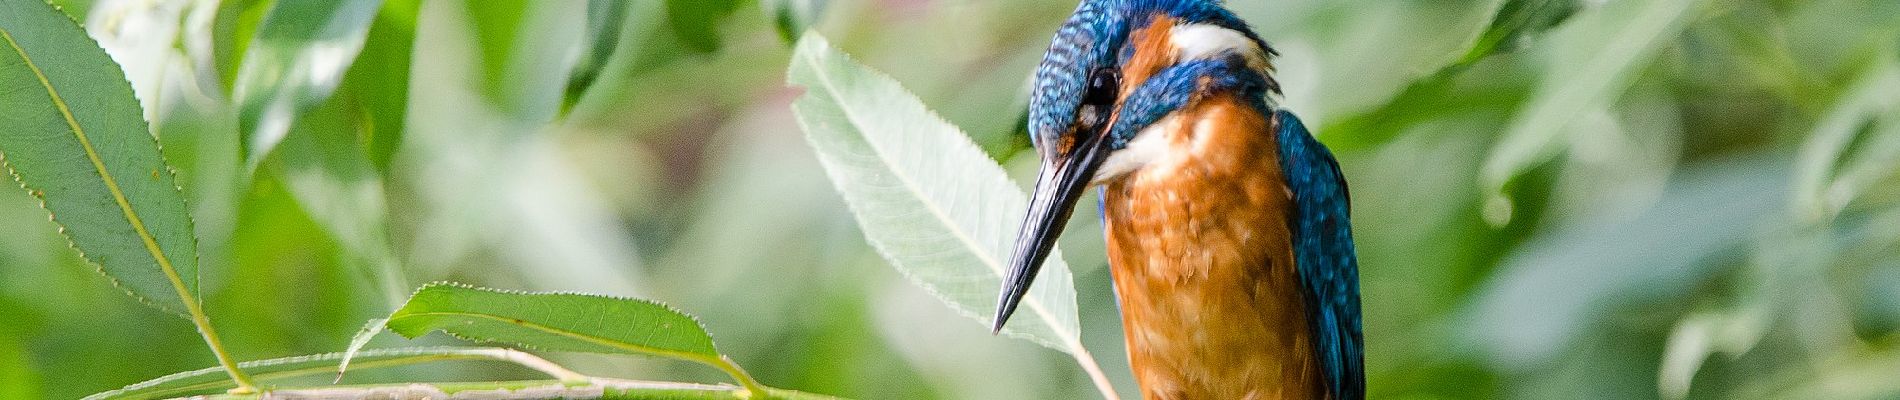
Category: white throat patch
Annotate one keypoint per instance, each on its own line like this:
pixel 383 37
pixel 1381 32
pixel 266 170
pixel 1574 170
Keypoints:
pixel 1148 145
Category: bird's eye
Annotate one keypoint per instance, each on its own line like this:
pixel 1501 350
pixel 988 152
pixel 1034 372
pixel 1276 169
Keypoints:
pixel 1100 97
pixel 1103 85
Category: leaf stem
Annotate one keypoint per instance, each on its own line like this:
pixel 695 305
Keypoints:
pixel 754 389
pixel 542 365
pixel 1094 370
pixel 163 260
pixel 244 382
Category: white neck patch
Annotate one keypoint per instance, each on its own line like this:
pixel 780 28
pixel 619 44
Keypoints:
pixel 1203 41
pixel 1149 145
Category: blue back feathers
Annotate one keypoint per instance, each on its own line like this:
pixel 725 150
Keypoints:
pixel 1322 248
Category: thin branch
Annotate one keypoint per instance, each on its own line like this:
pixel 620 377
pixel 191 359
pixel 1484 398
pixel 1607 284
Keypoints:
pixel 519 390
pixel 531 361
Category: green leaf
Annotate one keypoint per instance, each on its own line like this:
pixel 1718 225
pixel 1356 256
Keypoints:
pixel 298 58
pixel 793 17
pixel 562 322
pixel 605 27
pixel 1517 22
pixel 212 380
pixel 1513 26
pixel 489 179
pixel 527 51
pixel 357 341
pixel 326 166
pixel 1700 335
pixel 236 23
pixel 554 321
pixel 696 22
pixel 380 78
pixel 639 47
pixel 1830 172
pixel 1597 58
pixel 927 198
pixel 73 135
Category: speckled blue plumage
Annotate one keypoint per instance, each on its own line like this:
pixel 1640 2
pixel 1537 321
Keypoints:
pixel 1319 223
pixel 1093 38
pixel 1176 86
pixel 1322 247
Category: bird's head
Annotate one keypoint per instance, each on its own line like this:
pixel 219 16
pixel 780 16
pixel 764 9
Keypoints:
pixel 1114 68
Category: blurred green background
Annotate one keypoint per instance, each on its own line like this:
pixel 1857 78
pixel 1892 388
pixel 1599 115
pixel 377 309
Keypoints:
pixel 1600 199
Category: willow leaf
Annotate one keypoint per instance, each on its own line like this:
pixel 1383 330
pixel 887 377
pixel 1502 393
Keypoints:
pixel 74 136
pixel 562 322
pixel 927 198
pixel 553 321
pixel 361 338
pixel 296 61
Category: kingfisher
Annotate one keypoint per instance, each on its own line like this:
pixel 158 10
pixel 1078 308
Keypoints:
pixel 1228 224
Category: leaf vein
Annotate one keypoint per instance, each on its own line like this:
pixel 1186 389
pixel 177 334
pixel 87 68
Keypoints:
pixel 112 186
pixel 832 91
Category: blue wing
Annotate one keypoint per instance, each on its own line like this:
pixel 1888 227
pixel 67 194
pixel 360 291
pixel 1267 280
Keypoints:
pixel 1322 248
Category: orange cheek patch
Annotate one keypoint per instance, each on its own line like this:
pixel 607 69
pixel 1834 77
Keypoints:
pixel 1154 50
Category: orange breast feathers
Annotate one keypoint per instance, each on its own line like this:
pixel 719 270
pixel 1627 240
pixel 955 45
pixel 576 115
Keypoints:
pixel 1202 259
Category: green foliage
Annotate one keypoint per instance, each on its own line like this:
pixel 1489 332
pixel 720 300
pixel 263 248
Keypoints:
pixel 73 135
pixel 1701 196
pixel 525 56
pixel 793 17
pixel 1598 60
pixel 296 61
pixel 697 22
pixel 379 81
pixel 1516 24
pixel 327 167
pixel 1831 171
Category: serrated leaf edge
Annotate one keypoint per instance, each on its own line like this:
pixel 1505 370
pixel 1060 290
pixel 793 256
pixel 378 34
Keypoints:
pixel 1073 341
pixel 716 360
pixel 187 297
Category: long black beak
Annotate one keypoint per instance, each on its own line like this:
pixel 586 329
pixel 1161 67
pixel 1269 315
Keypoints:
pixel 1060 184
